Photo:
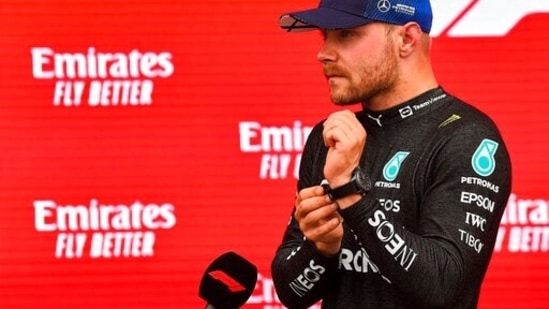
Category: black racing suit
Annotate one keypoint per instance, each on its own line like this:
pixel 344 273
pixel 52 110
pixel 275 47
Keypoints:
pixel 424 235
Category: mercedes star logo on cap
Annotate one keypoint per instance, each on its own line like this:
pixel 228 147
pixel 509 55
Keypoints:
pixel 384 6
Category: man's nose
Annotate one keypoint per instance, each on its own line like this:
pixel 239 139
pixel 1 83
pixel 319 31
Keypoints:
pixel 326 53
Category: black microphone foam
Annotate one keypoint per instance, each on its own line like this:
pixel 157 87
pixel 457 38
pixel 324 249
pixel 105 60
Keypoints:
pixel 228 282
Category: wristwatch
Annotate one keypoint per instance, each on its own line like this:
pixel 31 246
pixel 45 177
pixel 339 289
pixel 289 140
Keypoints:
pixel 360 184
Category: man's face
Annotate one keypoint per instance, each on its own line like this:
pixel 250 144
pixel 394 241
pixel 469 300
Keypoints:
pixel 359 63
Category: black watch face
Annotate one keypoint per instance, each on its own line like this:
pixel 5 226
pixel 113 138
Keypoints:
pixel 363 180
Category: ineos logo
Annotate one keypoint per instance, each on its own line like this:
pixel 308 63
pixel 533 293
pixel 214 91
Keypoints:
pixel 384 6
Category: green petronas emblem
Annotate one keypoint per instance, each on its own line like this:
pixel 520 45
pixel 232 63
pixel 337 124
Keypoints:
pixel 483 160
pixel 392 167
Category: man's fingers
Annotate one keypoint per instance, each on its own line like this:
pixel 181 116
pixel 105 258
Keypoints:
pixel 318 214
pixel 342 127
pixel 346 120
pixel 316 224
pixel 321 229
pixel 308 193
pixel 338 138
pixel 310 205
pixel 347 124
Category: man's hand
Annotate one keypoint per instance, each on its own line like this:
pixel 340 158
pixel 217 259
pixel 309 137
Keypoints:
pixel 346 137
pixel 319 220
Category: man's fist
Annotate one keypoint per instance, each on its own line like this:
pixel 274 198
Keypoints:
pixel 319 220
pixel 346 137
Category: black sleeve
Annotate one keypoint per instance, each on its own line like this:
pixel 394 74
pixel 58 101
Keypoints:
pixel 300 273
pixel 459 214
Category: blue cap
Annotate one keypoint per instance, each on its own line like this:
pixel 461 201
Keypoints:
pixel 344 14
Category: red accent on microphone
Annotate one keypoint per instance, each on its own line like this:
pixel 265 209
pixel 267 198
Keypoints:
pixel 233 285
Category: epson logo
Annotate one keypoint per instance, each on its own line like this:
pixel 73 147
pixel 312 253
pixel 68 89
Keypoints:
pixel 477 18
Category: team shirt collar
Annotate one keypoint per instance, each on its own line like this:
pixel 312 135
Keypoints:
pixel 407 110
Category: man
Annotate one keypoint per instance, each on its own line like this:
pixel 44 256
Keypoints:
pixel 398 205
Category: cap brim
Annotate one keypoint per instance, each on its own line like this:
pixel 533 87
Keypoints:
pixel 320 18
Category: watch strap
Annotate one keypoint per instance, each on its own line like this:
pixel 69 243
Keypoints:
pixel 350 188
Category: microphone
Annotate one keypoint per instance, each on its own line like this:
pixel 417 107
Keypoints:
pixel 228 282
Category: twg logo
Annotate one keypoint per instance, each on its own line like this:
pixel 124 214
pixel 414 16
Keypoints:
pixel 476 18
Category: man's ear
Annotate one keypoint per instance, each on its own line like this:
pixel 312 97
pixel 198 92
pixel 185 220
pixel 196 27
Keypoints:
pixel 410 38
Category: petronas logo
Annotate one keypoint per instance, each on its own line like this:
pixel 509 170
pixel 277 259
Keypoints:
pixel 392 167
pixel 483 160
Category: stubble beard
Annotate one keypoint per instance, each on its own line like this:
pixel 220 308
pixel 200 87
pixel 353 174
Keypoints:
pixel 373 81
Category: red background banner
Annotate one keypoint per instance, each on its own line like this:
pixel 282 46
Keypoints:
pixel 141 140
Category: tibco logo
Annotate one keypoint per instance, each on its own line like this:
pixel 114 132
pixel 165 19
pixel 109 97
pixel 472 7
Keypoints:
pixel 477 18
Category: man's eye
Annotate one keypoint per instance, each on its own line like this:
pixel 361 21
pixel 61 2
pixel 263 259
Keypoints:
pixel 346 34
